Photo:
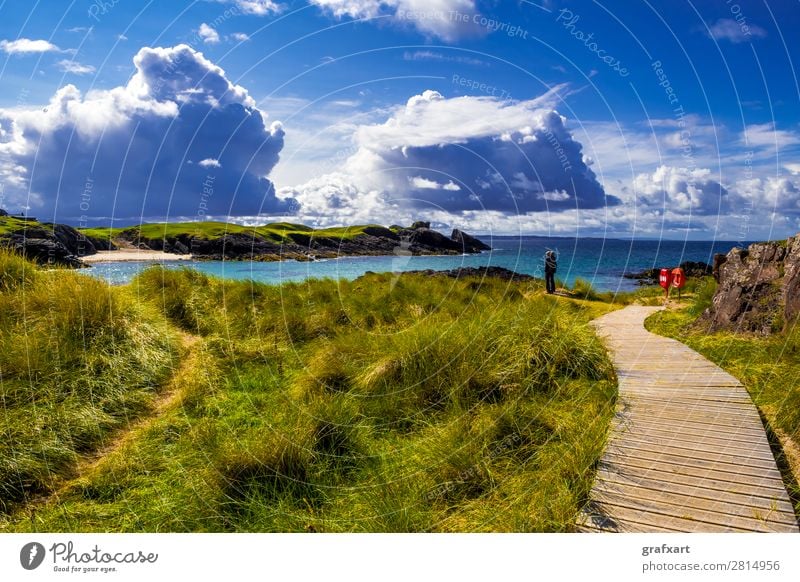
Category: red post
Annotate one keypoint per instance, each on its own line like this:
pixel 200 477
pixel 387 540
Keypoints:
pixel 665 280
pixel 678 279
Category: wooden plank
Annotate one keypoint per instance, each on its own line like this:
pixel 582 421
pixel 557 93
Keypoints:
pixel 726 506
pixel 754 456
pixel 691 427
pixel 685 473
pixel 646 477
pixel 712 423
pixel 707 442
pixel 691 434
pixel 703 516
pixel 627 520
pixel 687 450
pixel 696 491
pixel 623 453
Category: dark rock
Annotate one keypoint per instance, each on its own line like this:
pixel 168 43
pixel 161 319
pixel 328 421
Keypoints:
pixel 54 244
pixel 46 251
pixel 420 224
pixel 759 288
pixel 3 212
pixel 469 244
pixel 73 240
pixel 719 260
pixel 381 231
pixel 102 243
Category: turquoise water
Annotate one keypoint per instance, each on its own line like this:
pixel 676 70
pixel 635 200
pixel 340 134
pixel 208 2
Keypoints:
pixel 600 261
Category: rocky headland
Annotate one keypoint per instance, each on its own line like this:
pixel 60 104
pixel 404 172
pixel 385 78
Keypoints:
pixel 758 288
pixel 62 244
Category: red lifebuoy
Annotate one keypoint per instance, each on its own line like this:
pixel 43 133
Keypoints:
pixel 678 278
pixel 665 278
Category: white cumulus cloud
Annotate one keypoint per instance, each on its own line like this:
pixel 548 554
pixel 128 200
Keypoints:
pixel 682 191
pixel 208 34
pixel 255 7
pixel 448 20
pixel 134 142
pixel 26 45
pixel 459 155
pixel 75 67
pixel 210 163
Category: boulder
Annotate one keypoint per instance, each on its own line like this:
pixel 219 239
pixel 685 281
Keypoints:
pixel 469 243
pixel 46 251
pixel 759 288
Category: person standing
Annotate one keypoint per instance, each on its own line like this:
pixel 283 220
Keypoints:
pixel 550 266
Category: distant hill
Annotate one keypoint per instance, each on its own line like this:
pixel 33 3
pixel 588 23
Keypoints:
pixel 283 240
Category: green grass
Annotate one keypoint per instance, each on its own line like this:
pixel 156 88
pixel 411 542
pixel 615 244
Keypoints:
pixel 769 367
pixel 277 232
pixel 382 404
pixel 78 359
pixel 12 224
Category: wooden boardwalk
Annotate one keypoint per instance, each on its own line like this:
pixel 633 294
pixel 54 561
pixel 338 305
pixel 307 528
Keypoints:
pixel 688 451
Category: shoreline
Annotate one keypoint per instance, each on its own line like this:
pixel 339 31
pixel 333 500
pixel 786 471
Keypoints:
pixel 133 255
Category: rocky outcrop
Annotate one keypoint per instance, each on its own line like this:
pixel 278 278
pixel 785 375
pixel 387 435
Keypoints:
pixel 759 288
pixel 55 244
pixel 690 268
pixel 468 243
pixel 419 239
pixel 46 251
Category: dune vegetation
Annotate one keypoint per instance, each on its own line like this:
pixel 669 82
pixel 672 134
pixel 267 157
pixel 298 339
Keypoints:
pixel 77 360
pixel 182 402
pixel 768 366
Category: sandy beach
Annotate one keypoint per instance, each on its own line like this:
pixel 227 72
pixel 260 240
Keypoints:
pixel 127 255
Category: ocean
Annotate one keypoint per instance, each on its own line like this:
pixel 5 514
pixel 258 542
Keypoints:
pixel 600 261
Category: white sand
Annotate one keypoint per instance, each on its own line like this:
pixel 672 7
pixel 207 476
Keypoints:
pixel 123 255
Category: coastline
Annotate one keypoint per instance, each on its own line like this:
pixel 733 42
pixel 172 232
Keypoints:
pixel 133 255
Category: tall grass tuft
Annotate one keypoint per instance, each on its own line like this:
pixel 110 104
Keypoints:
pixel 77 360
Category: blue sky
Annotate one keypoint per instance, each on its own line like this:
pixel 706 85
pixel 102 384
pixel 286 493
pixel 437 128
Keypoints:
pixel 660 118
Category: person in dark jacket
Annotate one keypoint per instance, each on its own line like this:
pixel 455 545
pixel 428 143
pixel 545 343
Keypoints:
pixel 550 266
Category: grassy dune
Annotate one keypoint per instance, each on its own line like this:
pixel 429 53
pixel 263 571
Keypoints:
pixel 77 360
pixel 768 366
pixel 382 404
